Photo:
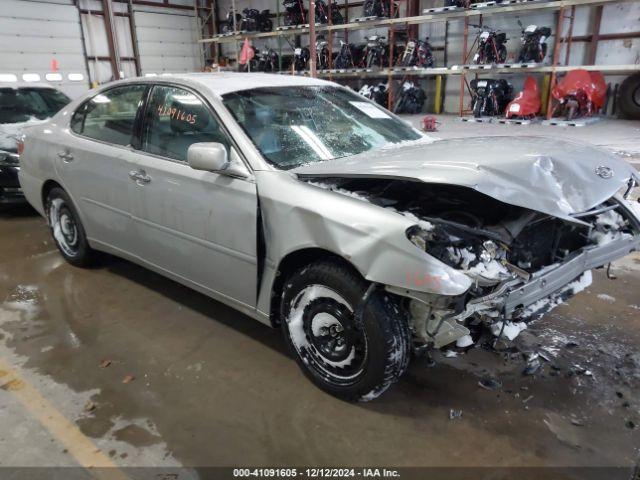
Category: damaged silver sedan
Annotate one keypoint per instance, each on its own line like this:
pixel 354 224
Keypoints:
pixel 311 209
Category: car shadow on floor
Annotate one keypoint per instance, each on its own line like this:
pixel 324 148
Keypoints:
pixel 17 211
pixel 196 301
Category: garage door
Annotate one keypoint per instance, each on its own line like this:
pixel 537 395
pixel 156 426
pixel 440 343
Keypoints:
pixel 42 41
pixel 167 42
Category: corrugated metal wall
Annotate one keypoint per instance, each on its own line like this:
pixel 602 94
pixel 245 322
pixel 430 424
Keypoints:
pixel 35 36
pixel 167 42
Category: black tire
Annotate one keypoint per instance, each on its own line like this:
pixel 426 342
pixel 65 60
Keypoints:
pixel 67 230
pixel 629 97
pixel 502 54
pixel 367 8
pixel 375 343
pixel 477 108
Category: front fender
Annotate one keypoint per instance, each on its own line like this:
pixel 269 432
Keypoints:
pixel 297 215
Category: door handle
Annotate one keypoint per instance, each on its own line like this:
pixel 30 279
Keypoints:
pixel 140 177
pixel 65 156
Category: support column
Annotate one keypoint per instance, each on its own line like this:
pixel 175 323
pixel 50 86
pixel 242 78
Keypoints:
pixel 107 9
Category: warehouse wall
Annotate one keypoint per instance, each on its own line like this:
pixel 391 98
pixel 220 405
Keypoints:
pixel 622 17
pixel 40 39
pixel 45 38
pixel 167 39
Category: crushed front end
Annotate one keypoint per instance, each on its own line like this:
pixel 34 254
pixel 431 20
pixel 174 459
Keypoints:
pixel 521 268
pixel 522 262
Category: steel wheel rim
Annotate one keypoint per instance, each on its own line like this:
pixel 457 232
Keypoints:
pixel 64 227
pixel 323 331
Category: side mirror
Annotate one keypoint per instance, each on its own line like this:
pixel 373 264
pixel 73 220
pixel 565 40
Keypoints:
pixel 211 157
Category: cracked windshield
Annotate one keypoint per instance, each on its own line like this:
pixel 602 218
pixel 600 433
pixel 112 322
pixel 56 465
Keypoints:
pixel 296 125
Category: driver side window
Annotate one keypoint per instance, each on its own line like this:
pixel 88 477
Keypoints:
pixel 174 120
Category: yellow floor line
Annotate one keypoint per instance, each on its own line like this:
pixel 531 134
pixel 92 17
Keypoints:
pixel 77 444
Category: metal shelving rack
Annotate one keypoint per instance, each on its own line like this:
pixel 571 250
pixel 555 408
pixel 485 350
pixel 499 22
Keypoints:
pixel 481 11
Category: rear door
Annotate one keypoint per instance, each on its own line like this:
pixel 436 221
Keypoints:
pixel 199 226
pixel 95 160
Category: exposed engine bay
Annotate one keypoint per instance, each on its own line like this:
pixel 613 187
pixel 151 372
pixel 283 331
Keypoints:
pixel 500 246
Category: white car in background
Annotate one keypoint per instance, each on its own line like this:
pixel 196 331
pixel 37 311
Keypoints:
pixel 21 105
pixel 307 207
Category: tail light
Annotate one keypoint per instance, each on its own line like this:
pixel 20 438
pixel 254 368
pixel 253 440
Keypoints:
pixel 20 146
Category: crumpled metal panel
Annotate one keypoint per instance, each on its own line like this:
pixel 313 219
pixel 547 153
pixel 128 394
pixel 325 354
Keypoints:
pixel 297 215
pixel 549 175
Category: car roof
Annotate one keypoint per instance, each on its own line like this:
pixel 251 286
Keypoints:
pixel 222 83
pixel 18 85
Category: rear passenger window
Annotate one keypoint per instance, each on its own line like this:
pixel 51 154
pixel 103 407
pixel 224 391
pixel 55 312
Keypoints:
pixel 175 119
pixel 109 116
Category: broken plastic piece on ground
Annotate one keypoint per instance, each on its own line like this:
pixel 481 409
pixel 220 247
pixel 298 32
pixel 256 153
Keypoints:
pixel 128 379
pixel 465 341
pixel 453 414
pixel 577 423
pixel 532 367
pixel 489 383
pixel 508 330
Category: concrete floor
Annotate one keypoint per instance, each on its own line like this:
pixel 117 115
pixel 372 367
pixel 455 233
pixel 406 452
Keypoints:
pixel 212 387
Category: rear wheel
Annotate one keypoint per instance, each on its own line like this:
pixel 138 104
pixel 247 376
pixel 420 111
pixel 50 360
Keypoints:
pixel 67 230
pixel 629 97
pixel 350 350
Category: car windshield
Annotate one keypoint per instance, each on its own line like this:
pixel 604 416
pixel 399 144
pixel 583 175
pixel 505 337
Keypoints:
pixel 18 105
pixel 292 126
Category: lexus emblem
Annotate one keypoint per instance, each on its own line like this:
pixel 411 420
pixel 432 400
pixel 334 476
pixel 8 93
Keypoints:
pixel 604 172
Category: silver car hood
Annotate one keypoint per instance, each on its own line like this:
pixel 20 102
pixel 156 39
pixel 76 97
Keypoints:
pixel 549 175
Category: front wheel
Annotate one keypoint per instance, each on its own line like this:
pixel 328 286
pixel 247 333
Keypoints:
pixel 67 230
pixel 351 348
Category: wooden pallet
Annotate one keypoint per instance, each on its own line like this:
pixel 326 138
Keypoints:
pixel 477 120
pixel 366 19
pixel 284 28
pixel 427 11
pixel 578 122
pixel 518 65
pixel 517 121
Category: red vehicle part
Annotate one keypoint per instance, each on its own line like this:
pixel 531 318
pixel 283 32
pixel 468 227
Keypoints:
pixel 580 93
pixel 527 103
pixel 429 124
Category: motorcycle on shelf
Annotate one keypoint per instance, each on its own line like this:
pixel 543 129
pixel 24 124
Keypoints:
pixel 379 93
pixel 232 22
pixel 533 43
pixel 417 53
pixel 295 13
pixel 492 46
pixel 322 13
pixel 489 96
pixel 267 60
pixel 527 103
pixel 374 54
pixel 323 54
pixel 345 57
pixel 410 99
pixel 255 21
pixel 301 56
pixel 379 8
pixel 579 94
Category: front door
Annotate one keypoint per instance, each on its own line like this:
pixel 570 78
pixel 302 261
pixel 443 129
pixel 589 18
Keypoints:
pixel 199 226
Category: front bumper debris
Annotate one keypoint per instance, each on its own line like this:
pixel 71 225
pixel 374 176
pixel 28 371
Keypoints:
pixel 515 295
